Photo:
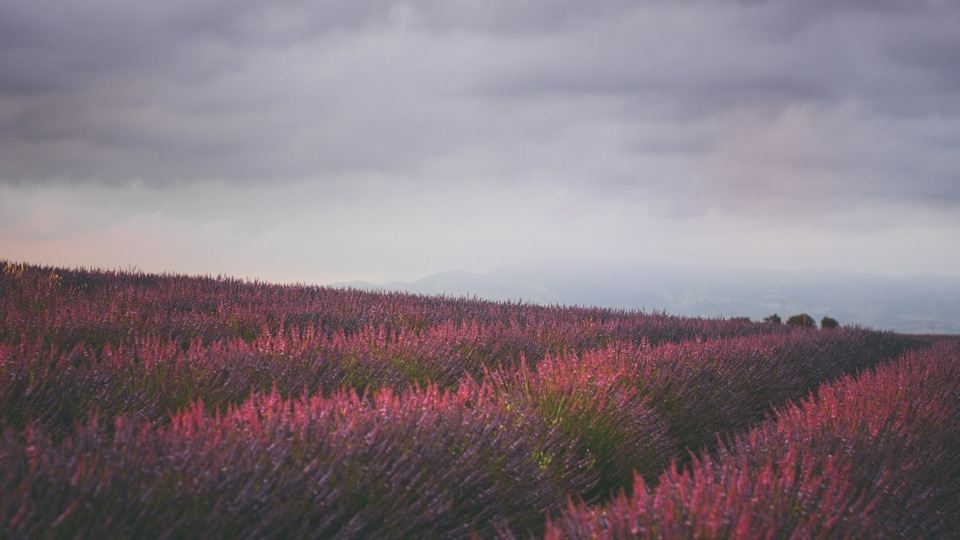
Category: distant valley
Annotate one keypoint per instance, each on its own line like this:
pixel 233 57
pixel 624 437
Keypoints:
pixel 915 305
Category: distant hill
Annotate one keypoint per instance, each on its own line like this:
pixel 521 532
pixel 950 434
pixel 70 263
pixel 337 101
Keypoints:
pixel 902 304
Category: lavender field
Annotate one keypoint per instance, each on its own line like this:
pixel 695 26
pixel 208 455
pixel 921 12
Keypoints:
pixel 136 405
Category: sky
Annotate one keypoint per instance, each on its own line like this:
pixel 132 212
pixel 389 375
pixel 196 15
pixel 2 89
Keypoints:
pixel 341 140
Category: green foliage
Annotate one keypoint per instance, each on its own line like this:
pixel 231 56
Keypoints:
pixel 594 402
pixel 829 322
pixel 802 320
pixel 773 318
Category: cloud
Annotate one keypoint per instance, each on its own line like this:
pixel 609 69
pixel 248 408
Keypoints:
pixel 767 108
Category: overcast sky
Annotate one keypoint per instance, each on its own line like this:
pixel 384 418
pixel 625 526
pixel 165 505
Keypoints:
pixel 341 140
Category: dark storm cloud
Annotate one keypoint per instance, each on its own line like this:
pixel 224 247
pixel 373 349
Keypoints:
pixel 721 102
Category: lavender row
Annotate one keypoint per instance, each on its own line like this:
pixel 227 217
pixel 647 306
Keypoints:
pixel 219 385
pixel 877 456
pixel 638 408
pixel 95 308
pixel 420 464
pixel 76 341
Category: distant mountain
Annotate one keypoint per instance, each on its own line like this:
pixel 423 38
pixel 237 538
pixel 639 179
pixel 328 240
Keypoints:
pixel 902 304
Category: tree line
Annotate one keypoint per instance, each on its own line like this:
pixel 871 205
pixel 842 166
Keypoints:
pixel 804 320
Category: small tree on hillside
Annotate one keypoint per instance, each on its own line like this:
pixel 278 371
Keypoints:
pixel 803 320
pixel 829 322
pixel 775 319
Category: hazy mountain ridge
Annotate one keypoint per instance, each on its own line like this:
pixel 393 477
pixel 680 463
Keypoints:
pixel 904 304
